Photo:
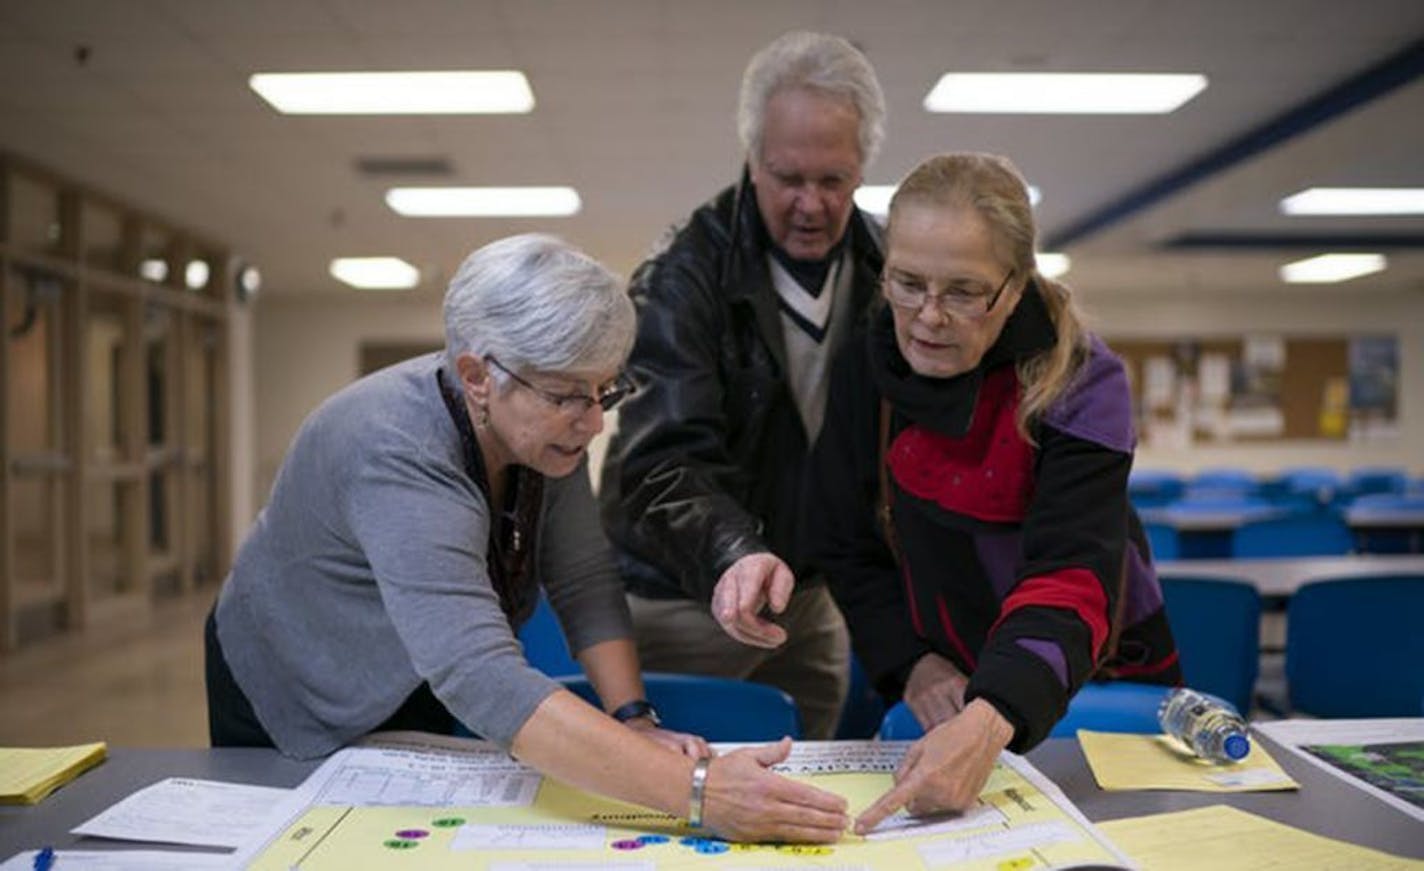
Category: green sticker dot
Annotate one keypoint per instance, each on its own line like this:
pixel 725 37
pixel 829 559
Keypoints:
pixel 398 844
pixel 448 822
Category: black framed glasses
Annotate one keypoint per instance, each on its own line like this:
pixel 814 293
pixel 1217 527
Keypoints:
pixel 572 404
pixel 961 300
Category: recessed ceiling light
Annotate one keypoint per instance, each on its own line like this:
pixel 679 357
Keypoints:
pixel 1054 93
pixel 1330 268
pixel 484 202
pixel 875 198
pixel 1355 201
pixel 458 92
pixel 153 269
pixel 375 273
pixel 1052 264
pixel 195 275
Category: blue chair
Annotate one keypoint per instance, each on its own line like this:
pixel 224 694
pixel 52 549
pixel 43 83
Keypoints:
pixel 1115 706
pixel 1224 482
pixel 1315 484
pixel 1217 626
pixel 544 644
pixel 1162 539
pixel 900 724
pixel 1312 533
pixel 1354 649
pixel 1377 479
pixel 1148 488
pixel 717 708
pixel 863 708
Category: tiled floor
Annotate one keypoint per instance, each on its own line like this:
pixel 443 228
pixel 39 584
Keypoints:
pixel 135 681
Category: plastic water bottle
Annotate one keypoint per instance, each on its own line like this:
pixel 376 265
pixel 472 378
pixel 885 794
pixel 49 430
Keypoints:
pixel 1211 728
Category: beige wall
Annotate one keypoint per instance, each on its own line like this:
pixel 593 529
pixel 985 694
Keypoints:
pixel 307 348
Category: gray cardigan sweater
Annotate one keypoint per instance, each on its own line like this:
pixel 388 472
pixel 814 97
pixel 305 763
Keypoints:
pixel 365 575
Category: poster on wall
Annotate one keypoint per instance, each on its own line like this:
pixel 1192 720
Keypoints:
pixel 1263 387
pixel 1374 387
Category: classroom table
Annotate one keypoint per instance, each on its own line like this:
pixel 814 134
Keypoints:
pixel 1324 804
pixel 1206 532
pixel 1408 523
pixel 1280 576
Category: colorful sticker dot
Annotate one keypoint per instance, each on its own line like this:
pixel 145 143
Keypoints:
pixel 712 848
pixel 628 844
pixel 397 844
pixel 654 839
pixel 412 834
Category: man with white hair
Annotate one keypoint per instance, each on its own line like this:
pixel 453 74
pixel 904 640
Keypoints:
pixel 739 316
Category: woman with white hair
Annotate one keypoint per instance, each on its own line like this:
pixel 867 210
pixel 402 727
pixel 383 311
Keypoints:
pixel 413 521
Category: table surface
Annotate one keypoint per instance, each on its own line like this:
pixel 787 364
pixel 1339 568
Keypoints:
pixel 1324 804
pixel 1281 576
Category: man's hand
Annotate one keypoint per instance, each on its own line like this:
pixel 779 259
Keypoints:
pixel 946 769
pixel 755 581
pixel 935 690
pixel 691 746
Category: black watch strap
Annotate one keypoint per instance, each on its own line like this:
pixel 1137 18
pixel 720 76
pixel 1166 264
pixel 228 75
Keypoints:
pixel 635 709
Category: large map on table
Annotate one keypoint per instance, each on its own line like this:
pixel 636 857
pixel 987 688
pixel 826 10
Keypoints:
pixel 414 803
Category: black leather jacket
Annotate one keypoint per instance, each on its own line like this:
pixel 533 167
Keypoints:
pixel 707 463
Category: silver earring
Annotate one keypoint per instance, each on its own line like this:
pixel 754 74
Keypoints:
pixel 482 420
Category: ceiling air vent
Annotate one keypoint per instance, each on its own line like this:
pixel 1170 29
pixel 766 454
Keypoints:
pixel 404 167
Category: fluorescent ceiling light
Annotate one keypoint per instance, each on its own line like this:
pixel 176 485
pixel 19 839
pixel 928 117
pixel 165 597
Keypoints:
pixel 375 273
pixel 1330 268
pixel 875 198
pixel 410 93
pixel 1355 201
pixel 504 202
pixel 1055 93
pixel 1052 264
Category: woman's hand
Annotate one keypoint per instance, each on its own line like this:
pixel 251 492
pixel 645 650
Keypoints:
pixel 691 746
pixel 934 692
pixel 746 802
pixel 946 769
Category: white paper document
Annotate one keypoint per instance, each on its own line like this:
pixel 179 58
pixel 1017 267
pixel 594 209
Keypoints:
pixel 423 771
pixel 842 757
pixel 122 860
pixel 1369 754
pixel 901 825
pixel 180 810
pixel 515 837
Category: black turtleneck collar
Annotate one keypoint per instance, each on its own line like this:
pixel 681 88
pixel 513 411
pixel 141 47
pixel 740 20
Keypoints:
pixel 946 405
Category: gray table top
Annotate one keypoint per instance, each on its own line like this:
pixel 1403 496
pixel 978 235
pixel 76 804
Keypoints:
pixel 1281 576
pixel 1324 804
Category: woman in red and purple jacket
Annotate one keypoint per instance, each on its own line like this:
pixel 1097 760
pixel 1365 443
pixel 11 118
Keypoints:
pixel 969 494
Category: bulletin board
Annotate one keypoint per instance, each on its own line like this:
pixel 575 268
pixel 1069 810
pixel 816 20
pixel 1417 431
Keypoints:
pixel 1261 388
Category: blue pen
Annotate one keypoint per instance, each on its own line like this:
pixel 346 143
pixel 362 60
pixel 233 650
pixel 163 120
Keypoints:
pixel 44 859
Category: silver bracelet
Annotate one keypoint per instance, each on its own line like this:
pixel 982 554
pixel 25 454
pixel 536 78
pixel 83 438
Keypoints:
pixel 699 792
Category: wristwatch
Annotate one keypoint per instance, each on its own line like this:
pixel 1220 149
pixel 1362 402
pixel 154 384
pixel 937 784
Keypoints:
pixel 638 708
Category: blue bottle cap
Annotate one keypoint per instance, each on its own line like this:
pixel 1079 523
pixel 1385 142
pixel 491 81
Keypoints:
pixel 1237 746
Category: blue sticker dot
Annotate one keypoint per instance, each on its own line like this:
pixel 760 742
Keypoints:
pixel 654 839
pixel 712 847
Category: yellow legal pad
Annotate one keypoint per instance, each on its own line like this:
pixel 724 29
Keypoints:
pixel 1228 839
pixel 28 774
pixel 1158 762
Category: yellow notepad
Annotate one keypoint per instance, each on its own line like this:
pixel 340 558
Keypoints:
pixel 1227 839
pixel 28 774
pixel 1157 762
